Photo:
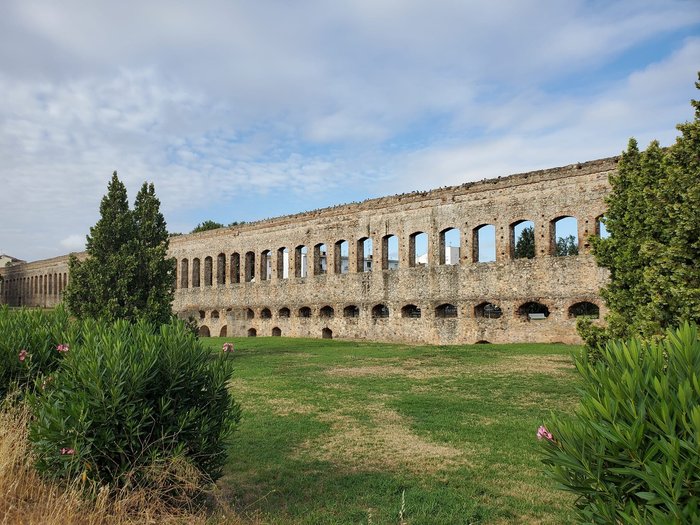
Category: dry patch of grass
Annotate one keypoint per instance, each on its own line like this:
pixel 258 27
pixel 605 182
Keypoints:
pixel 383 443
pixel 30 500
pixel 551 365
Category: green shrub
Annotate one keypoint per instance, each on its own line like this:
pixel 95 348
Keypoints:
pixel 632 450
pixel 28 345
pixel 128 397
pixel 594 337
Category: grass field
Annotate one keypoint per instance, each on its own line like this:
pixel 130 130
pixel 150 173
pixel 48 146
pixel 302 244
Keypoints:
pixel 348 432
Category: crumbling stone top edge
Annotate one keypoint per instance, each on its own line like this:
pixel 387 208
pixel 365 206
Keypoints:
pixel 486 184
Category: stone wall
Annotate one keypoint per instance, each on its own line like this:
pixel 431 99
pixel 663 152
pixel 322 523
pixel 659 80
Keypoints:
pixel 233 279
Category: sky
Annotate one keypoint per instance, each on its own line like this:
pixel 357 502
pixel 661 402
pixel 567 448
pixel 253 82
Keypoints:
pixel 240 111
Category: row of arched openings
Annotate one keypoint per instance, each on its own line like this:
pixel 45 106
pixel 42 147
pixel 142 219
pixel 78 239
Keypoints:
pixel 326 333
pixel 33 287
pixel 524 242
pixel 529 310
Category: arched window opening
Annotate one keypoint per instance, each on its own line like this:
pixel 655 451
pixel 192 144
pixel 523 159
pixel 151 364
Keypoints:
pixel 390 252
pixel 265 313
pixel 351 311
pixel 484 243
pixel 410 311
pixel 276 332
pixel 488 311
pixel 235 268
pixel 284 313
pixel 584 309
pixel 320 259
pixel 195 273
pixel 214 314
pixel 184 273
pixel 483 342
pixel 600 229
pixel 327 312
pixel 418 249
pixel 327 333
pixel 564 236
pixel 522 240
pixel 222 332
pixel 249 314
pixel 250 267
pixel 449 246
pixel 202 314
pixel 364 255
pixel 341 260
pixel 533 311
pixel 300 261
pixel 207 271
pixel 221 269
pixel 282 263
pixel 204 331
pixel 446 311
pixel 265 265
pixel 252 332
pixel 380 311
pixel 305 312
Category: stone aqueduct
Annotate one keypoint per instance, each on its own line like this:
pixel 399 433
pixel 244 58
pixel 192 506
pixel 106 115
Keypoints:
pixel 311 274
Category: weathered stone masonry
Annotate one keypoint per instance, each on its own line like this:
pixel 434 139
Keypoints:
pixel 239 281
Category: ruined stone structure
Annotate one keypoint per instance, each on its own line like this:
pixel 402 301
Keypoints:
pixel 333 272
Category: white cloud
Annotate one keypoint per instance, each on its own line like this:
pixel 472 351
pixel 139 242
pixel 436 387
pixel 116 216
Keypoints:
pixel 74 243
pixel 225 102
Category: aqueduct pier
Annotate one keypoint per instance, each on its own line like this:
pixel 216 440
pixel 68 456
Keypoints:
pixel 356 271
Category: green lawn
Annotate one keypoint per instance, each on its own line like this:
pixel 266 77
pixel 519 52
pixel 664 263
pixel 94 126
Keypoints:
pixel 336 432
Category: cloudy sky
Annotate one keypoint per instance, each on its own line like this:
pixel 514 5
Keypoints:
pixel 247 110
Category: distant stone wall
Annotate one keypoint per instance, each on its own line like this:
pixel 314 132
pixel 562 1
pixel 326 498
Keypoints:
pixel 39 283
pixel 239 281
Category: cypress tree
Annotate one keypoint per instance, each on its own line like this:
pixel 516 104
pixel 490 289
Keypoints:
pixel 653 250
pixel 156 270
pixel 126 274
pixel 525 247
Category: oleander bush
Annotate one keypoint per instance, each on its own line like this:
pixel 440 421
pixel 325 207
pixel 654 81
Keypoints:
pixel 29 342
pixel 127 397
pixel 631 452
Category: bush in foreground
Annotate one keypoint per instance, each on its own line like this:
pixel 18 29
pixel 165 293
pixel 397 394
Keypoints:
pixel 127 398
pixel 29 499
pixel 29 341
pixel 632 451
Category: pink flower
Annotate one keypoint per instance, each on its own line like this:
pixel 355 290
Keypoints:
pixel 543 433
pixel 23 355
pixel 62 348
pixel 67 451
pixel 228 347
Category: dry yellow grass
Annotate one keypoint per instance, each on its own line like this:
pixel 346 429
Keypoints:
pixel 384 443
pixel 28 499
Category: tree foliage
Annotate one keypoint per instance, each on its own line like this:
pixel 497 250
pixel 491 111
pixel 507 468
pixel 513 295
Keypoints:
pixel 653 249
pixel 525 246
pixel 207 225
pixel 566 246
pixel 126 274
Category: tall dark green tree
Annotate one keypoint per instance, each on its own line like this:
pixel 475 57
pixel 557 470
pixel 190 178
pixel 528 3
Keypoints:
pixel 156 269
pixel 525 246
pixel 126 274
pixel 653 249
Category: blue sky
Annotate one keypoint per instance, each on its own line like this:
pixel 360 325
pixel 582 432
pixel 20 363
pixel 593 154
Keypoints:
pixel 248 110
